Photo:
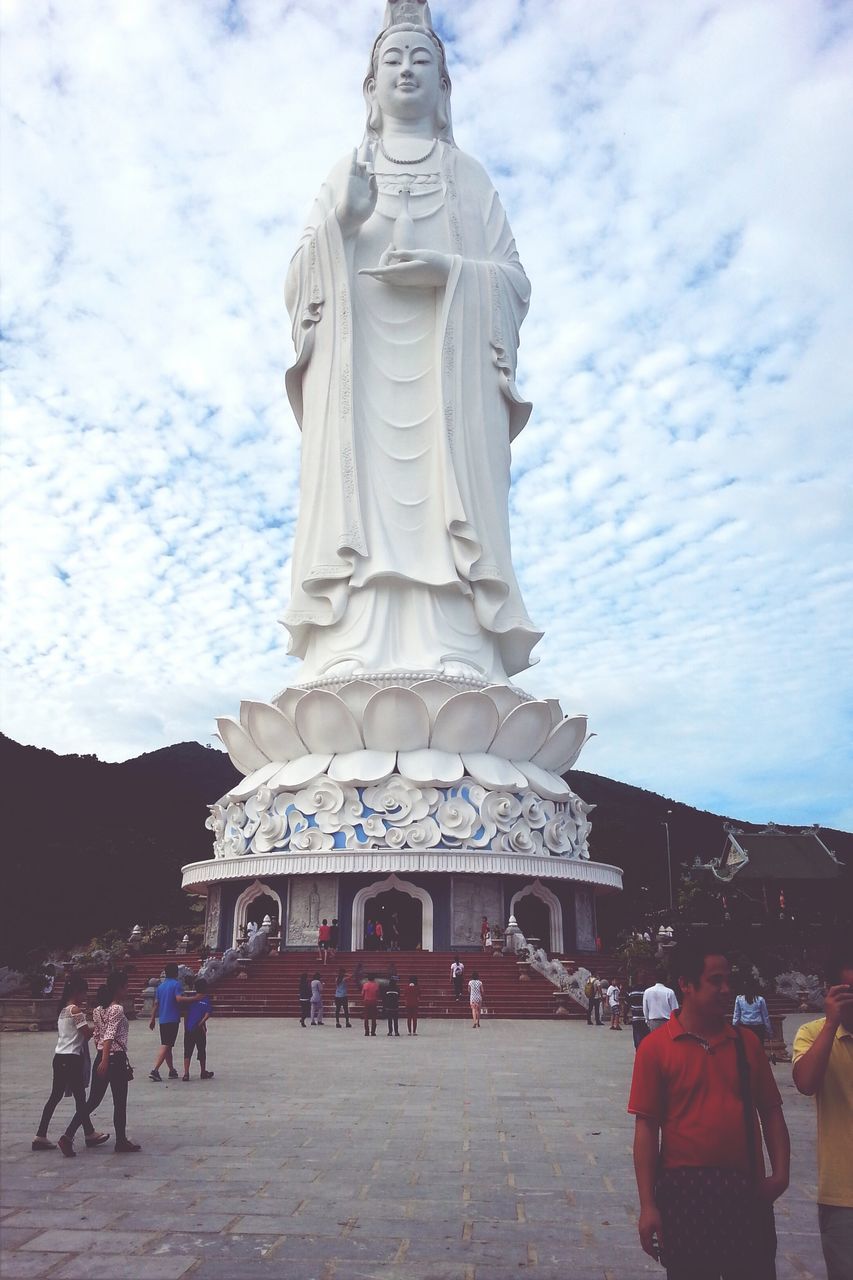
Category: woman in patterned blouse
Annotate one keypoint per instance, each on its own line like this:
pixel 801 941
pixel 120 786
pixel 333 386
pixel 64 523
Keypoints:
pixel 475 996
pixel 113 1066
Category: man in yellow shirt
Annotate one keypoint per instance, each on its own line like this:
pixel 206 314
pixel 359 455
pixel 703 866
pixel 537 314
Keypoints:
pixel 823 1068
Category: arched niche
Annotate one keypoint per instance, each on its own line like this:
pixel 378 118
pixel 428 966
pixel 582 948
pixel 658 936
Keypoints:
pixel 369 891
pixel 256 890
pixel 538 890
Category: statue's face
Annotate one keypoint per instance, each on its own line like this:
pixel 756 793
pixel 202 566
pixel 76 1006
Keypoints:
pixel 407 85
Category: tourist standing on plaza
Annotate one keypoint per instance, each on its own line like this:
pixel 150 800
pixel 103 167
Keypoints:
pixel 317 1001
pixel 166 1009
pixel 614 1001
pixel 200 1007
pixel 592 991
pixel 69 1059
pixel 659 1002
pixel 475 996
pixel 700 1087
pixel 379 935
pixel 304 998
pixel 823 1069
pixel 369 1004
pixel 751 1011
pixel 639 1026
pixel 457 976
pixel 323 934
pixel 341 999
pixel 391 1005
pixel 485 933
pixel 413 1000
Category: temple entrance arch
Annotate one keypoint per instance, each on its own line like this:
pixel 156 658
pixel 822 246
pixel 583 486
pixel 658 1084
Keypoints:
pixel 537 907
pixel 401 917
pixel 256 901
pixel 384 898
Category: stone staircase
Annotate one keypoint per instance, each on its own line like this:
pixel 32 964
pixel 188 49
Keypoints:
pixel 270 986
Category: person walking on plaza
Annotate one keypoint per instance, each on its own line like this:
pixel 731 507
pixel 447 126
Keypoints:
pixel 700 1087
pixel 614 1001
pixel 199 1009
pixel 341 999
pixel 475 996
pixel 69 1059
pixel 413 1000
pixel 751 1011
pixel 317 1001
pixel 659 1002
pixel 592 991
pixel 639 1026
pixel 370 1004
pixel 112 1069
pixel 323 935
pixel 457 977
pixel 391 1006
pixel 304 998
pixel 166 1009
pixel 823 1069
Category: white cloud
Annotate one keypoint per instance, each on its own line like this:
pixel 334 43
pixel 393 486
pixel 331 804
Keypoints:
pixel 678 183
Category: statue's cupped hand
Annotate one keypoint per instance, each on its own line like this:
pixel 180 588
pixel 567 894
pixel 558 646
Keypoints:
pixel 415 268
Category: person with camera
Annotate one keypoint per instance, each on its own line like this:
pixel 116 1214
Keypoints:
pixel 823 1069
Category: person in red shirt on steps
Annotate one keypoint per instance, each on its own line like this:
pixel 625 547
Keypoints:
pixel 700 1087
pixel 370 1004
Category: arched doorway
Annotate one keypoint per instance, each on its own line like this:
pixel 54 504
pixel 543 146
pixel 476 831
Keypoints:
pixel 255 902
pixel 411 903
pixel 538 907
pixel 534 919
pixel 401 917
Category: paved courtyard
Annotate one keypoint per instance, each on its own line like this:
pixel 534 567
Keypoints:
pixel 459 1155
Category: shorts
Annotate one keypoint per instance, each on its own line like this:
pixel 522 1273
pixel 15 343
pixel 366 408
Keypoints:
pixel 169 1033
pixel 324 945
pixel 195 1040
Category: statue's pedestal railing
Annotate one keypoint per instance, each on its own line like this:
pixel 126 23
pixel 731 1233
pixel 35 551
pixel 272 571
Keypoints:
pixel 402 762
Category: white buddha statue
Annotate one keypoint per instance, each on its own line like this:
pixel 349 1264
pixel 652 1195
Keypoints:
pixel 406 295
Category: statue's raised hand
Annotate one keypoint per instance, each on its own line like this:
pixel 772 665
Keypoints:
pixel 359 196
pixel 418 268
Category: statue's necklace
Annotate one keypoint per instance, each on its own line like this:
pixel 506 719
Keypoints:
pixel 418 160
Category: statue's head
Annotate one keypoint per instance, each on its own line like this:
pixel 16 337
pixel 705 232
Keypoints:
pixel 408 77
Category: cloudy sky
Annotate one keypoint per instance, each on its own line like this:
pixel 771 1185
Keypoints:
pixel 679 181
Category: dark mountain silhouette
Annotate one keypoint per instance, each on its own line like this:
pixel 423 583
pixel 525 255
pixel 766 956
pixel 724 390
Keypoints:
pixel 92 846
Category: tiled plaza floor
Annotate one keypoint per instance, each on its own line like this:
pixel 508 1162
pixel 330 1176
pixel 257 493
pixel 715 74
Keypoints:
pixel 459 1155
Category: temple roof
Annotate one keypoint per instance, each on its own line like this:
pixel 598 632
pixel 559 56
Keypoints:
pixel 773 854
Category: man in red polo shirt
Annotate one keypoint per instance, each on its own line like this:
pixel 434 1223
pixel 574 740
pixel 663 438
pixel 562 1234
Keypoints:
pixel 699 1088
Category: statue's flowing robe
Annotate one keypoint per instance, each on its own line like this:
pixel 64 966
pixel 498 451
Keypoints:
pixel 407 402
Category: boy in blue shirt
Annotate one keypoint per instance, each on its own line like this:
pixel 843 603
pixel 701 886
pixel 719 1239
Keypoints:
pixel 166 1009
pixel 199 1009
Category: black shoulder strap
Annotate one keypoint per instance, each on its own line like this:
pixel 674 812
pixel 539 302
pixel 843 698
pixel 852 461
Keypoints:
pixel 748 1107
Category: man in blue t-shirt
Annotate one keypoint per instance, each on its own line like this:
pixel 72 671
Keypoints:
pixel 166 1009
pixel 199 1009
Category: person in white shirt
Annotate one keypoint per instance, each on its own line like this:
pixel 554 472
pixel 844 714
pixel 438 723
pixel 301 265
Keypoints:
pixel 659 1001
pixel 614 1000
pixel 68 1071
pixel 457 970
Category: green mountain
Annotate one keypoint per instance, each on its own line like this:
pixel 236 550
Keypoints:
pixel 93 846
